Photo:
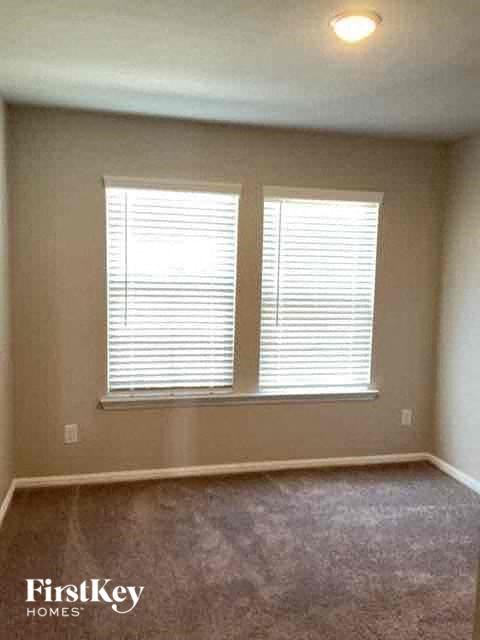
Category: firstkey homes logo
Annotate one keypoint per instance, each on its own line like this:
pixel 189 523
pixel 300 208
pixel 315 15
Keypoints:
pixel 48 597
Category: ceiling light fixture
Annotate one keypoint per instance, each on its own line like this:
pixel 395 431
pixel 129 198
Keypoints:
pixel 355 26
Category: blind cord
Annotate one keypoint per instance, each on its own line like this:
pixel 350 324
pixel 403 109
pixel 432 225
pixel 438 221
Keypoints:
pixel 279 253
pixel 125 315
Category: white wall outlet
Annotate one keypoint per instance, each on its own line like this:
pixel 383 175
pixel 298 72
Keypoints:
pixel 70 432
pixel 407 417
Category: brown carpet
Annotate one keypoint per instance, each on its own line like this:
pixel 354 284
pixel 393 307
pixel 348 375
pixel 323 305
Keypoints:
pixel 384 553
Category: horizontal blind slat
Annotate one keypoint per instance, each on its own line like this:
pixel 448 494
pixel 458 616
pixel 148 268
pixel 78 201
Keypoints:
pixel 318 279
pixel 171 262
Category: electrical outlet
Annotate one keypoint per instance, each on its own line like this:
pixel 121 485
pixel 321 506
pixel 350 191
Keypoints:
pixel 70 433
pixel 407 417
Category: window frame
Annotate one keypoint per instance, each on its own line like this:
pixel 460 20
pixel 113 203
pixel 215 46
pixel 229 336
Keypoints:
pixel 370 197
pixel 156 184
pixel 161 398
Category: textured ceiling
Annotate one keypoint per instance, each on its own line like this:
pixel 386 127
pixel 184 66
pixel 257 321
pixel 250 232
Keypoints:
pixel 272 62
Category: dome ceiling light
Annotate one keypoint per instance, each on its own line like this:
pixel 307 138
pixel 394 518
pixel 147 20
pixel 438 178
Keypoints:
pixel 355 26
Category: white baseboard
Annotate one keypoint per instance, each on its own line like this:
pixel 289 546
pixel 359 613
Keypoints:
pixel 455 473
pixel 6 501
pixel 230 469
pixel 214 470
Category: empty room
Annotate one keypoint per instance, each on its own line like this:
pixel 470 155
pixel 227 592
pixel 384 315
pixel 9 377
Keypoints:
pixel 239 320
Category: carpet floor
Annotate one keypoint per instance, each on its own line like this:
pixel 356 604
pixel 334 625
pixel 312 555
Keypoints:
pixel 380 553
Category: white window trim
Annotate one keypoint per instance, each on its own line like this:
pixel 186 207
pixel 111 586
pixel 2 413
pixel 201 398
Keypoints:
pixel 273 193
pixel 306 193
pixel 171 185
pixel 118 400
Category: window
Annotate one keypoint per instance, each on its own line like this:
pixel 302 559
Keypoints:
pixel 171 280
pixel 171 271
pixel 318 282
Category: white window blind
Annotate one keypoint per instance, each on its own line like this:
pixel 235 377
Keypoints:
pixel 171 267
pixel 318 282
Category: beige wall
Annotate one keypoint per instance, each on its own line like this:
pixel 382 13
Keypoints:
pixel 457 434
pixel 58 159
pixel 6 405
pixel 476 632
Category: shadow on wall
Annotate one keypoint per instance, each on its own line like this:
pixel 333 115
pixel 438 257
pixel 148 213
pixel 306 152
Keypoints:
pixel 183 446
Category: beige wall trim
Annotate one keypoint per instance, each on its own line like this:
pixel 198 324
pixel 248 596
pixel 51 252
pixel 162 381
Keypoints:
pixel 6 501
pixel 214 470
pixel 455 473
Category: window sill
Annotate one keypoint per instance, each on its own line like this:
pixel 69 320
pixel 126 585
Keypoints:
pixel 152 400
